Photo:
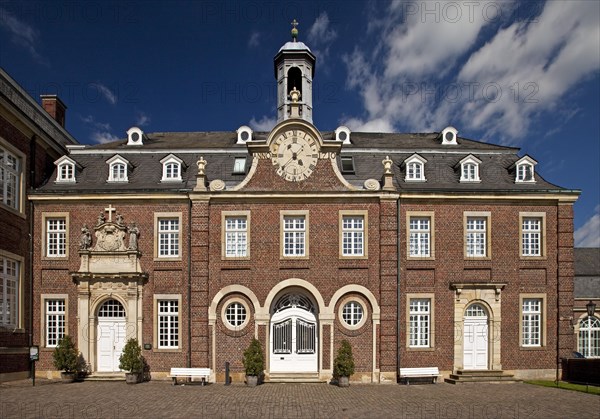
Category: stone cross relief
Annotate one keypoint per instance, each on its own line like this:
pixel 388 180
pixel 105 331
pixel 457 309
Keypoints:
pixel 110 235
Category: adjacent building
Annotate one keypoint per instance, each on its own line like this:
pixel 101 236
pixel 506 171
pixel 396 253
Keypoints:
pixel 32 137
pixel 587 297
pixel 421 250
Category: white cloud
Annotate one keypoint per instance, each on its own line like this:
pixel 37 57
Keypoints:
pixel 254 40
pixel 263 124
pixel 534 64
pixel 427 67
pixel 22 34
pixel 588 235
pixel 91 121
pixel 142 119
pixel 320 37
pixel 102 137
pixel 106 93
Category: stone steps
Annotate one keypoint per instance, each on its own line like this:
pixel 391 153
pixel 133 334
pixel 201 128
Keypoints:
pixel 293 378
pixel 481 376
pixel 106 376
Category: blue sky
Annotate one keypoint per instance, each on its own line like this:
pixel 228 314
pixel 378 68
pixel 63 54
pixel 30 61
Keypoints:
pixel 523 74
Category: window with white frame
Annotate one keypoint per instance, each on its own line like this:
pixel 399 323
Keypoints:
pixel 168 324
pixel 9 292
pixel 66 172
pixel 239 165
pixel 531 322
pixel 236 236
pixel 11 172
pixel 589 337
pixel 420 237
pixel 525 170
pixel 55 322
pixel 117 169
pixel 118 172
pixel 469 169
pixel 352 313
pixel 171 169
pixel 414 171
pixel 531 236
pixel 235 314
pixel 168 237
pixel 415 168
pixel 56 237
pixel 294 235
pixel 476 237
pixel 353 235
pixel 419 323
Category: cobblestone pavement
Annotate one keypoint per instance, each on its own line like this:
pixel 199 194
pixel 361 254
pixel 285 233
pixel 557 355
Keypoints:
pixel 159 399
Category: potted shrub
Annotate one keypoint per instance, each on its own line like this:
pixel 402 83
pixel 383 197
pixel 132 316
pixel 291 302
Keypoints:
pixel 343 365
pixel 65 358
pixel 131 360
pixel 254 362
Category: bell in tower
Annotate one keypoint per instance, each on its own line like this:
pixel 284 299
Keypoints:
pixel 294 71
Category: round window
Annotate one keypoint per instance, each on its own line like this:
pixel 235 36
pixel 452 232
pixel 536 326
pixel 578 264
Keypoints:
pixel 245 135
pixel 235 314
pixel 450 136
pixel 352 313
pixel 135 137
pixel 343 136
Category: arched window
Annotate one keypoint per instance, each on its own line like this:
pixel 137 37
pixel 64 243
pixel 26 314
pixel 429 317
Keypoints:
pixel 589 337
pixel 294 80
pixel 111 308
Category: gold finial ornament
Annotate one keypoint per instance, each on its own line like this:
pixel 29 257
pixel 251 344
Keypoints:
pixel 294 30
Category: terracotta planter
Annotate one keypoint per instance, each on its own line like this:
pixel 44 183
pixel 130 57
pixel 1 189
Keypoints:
pixel 252 380
pixel 133 377
pixel 343 381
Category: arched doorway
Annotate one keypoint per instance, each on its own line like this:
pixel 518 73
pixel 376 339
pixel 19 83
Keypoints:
pixel 294 336
pixel 111 333
pixel 475 338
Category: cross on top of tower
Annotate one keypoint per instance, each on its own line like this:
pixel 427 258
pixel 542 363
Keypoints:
pixel 294 30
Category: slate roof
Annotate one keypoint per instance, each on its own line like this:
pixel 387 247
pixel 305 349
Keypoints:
pixel 587 261
pixel 367 149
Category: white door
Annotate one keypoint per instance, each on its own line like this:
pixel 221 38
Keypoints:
pixel 475 338
pixel 294 338
pixel 111 334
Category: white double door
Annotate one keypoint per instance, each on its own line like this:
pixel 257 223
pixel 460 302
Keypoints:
pixel 294 342
pixel 475 343
pixel 111 339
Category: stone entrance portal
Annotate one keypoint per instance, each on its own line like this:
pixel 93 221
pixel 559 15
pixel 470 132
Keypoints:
pixel 109 277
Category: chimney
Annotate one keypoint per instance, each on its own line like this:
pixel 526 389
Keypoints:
pixel 55 107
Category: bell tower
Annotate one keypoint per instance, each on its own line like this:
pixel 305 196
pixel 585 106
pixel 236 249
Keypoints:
pixel 294 72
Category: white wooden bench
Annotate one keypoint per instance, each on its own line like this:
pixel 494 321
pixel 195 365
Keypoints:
pixel 406 374
pixel 190 373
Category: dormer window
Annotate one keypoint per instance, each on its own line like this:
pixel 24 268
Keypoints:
pixel 244 134
pixel 347 164
pixel 117 169
pixel 239 166
pixel 342 134
pixel 449 135
pixel 415 169
pixel 469 169
pixel 171 169
pixel 135 136
pixel 65 170
pixel 525 170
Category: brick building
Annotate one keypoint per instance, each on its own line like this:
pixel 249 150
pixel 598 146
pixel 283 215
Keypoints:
pixel 420 249
pixel 31 138
pixel 586 290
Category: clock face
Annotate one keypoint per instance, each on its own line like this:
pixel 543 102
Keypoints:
pixel 296 153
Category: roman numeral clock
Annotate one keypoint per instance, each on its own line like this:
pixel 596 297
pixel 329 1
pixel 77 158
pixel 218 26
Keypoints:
pixel 295 153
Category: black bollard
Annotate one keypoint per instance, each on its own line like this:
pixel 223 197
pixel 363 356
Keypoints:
pixel 227 377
